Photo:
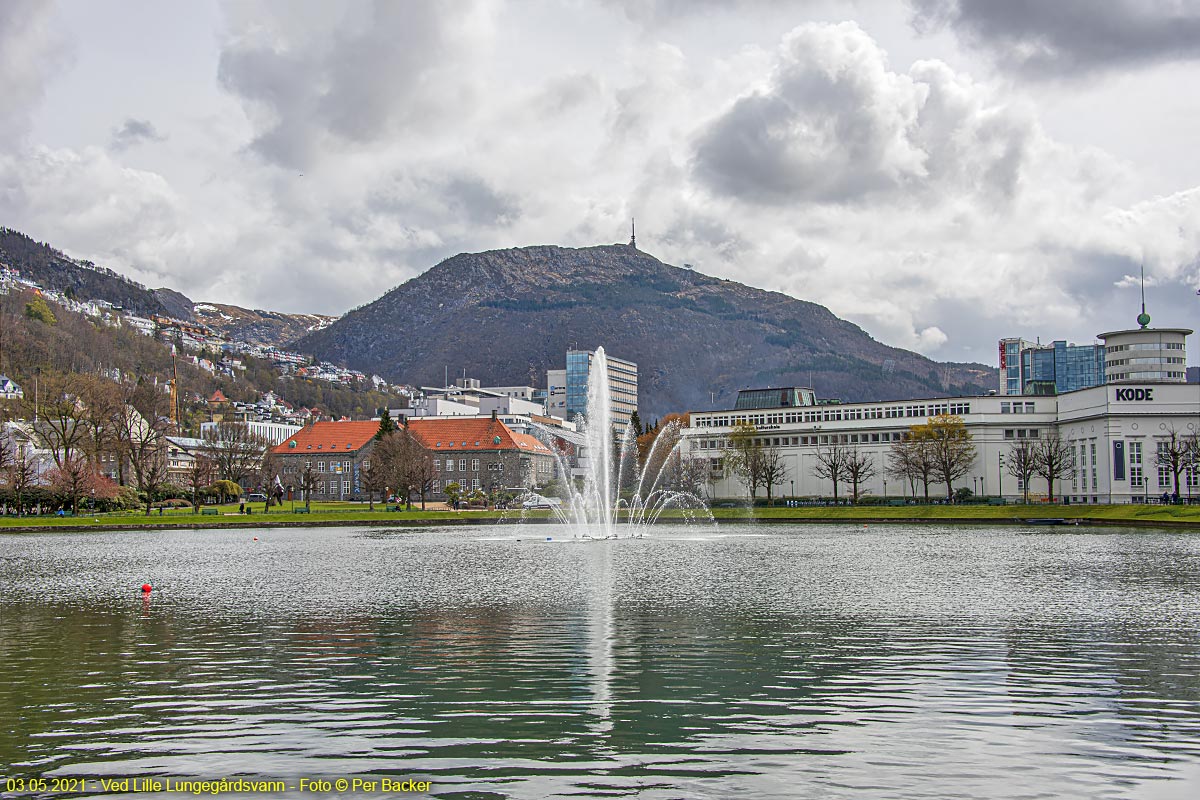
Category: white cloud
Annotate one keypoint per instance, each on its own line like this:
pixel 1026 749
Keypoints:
pixel 367 141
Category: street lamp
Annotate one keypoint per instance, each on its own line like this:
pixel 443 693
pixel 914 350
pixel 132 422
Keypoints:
pixel 793 492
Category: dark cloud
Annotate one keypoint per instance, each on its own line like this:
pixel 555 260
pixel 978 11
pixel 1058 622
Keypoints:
pixel 1052 38
pixel 134 132
pixel 831 128
pixel 32 50
pixel 355 78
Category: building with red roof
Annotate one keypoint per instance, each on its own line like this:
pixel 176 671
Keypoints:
pixel 482 453
pixel 336 452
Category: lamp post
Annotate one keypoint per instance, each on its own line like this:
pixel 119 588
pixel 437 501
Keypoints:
pixel 793 491
pixel 1000 473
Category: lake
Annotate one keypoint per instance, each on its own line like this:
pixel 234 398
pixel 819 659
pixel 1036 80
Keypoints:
pixel 763 661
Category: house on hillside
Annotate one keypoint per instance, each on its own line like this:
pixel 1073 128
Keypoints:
pixel 9 390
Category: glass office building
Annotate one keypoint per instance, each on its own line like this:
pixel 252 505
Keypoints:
pixel 622 385
pixel 1029 368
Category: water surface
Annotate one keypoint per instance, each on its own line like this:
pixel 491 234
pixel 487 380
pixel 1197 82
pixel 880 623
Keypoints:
pixel 757 661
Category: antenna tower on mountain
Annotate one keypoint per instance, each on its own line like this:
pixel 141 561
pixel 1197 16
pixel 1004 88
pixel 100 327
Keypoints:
pixel 633 233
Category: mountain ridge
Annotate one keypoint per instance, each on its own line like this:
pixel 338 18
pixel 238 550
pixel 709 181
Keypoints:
pixel 505 316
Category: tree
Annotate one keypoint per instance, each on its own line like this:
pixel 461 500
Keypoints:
pixel 225 491
pixel 911 459
pixel 772 470
pixel 743 456
pixel 1022 463
pixel 1174 453
pixel 39 309
pixel 143 436
pixel 453 492
pixel 308 484
pixel 60 414
pixel 860 468
pixel 71 480
pixel 103 404
pixel 22 474
pixel 199 476
pixel 386 425
pixel 235 451
pixel 951 448
pixel 375 479
pixel 831 465
pixel 635 422
pixel 1053 459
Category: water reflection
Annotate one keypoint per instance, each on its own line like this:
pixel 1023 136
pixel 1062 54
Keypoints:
pixel 793 664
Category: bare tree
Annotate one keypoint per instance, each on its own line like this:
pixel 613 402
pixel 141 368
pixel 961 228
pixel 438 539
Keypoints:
pixel 199 476
pixel 911 459
pixel 22 473
pixel 1175 454
pixel 143 434
pixel 235 451
pixel 308 484
pixel 60 415
pixel 102 406
pixel 831 465
pixel 860 468
pixel 1022 463
pixel 772 470
pixel 1054 459
pixel 374 479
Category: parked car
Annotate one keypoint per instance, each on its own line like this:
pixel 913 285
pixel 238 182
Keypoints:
pixel 256 497
pixel 533 500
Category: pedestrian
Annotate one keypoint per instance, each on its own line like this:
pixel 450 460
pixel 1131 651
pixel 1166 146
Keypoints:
pixel 242 507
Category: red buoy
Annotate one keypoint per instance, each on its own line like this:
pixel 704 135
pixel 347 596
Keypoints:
pixel 145 587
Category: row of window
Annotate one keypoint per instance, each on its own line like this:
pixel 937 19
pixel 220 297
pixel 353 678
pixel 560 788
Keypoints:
pixel 1146 346
pixel 1119 362
pixel 1144 376
pixel 835 414
pixel 813 441
pixel 1017 408
pixel 1021 433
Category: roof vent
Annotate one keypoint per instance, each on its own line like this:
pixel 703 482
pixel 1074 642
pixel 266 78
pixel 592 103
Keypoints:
pixel 495 440
pixel 292 444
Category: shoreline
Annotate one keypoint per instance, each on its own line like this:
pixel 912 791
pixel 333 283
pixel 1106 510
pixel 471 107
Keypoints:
pixel 1180 518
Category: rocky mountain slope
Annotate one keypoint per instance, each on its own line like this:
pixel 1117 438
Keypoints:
pixel 506 316
pixel 83 280
pixel 256 326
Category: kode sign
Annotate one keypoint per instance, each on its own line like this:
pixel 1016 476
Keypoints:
pixel 1134 395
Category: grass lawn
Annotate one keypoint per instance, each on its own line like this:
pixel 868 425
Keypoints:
pixel 344 513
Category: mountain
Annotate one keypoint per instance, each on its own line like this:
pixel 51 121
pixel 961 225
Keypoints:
pixel 256 326
pixel 83 280
pixel 506 316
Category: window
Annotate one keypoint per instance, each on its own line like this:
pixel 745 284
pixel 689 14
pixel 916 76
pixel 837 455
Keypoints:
pixel 474 465
pixel 1005 408
pixel 1164 464
pixel 346 487
pixel 1136 479
pixel 366 463
pixel 1029 408
pixel 320 466
pixel 462 465
pixel 1009 433
pixel 346 466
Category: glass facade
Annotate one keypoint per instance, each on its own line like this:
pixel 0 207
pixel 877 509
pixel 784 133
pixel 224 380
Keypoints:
pixel 788 397
pixel 1027 368
pixel 622 385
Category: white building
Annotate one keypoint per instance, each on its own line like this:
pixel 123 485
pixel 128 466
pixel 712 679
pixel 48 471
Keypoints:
pixel 1115 432
pixel 9 390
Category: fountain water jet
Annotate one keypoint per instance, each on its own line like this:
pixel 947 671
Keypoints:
pixel 667 479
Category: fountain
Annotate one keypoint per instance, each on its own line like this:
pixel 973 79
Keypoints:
pixel 621 494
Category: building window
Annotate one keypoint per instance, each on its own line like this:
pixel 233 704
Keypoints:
pixel 1136 479
pixel 474 465
pixel 320 466
pixel 1005 408
pixel 462 465
pixel 1009 433
pixel 1164 465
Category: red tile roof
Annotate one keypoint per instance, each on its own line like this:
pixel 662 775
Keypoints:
pixel 338 437
pixel 466 433
pixel 218 397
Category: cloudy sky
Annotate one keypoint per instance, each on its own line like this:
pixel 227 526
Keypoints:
pixel 942 172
